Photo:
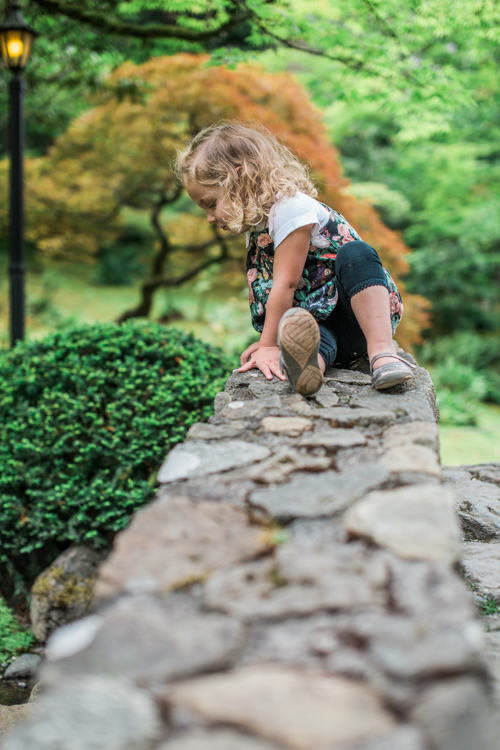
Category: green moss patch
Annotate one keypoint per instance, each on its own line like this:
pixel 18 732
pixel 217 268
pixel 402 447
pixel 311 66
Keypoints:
pixel 13 639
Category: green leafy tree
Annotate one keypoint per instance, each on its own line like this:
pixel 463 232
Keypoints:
pixel 400 50
pixel 81 42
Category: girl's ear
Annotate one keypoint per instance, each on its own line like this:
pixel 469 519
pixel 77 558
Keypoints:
pixel 238 169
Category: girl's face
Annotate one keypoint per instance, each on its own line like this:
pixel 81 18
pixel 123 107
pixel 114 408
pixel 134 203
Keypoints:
pixel 211 201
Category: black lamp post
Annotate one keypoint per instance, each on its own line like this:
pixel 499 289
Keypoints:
pixel 16 40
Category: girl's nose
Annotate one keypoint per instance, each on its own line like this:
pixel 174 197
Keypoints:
pixel 211 219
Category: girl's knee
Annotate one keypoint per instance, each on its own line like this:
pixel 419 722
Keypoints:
pixel 356 252
pixel 357 265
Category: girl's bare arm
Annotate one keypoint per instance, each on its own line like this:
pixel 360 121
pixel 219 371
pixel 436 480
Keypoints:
pixel 289 261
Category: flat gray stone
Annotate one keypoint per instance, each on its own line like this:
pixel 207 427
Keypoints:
pixel 478 507
pixel 222 739
pixel 452 474
pixel 480 563
pixel 333 439
pixel 174 542
pixel 430 591
pixel 457 715
pixel 205 431
pixel 412 458
pixel 277 468
pixel 10 716
pixel 262 390
pixel 241 382
pixel 71 639
pixel 300 405
pixel 476 468
pixel 413 400
pixel 300 710
pixel 298 583
pixel 348 376
pixel 304 641
pixel 291 426
pixel 102 713
pixel 458 478
pixel 225 488
pixel 485 472
pixel 492 661
pixel 345 416
pixel 489 476
pixel 316 533
pixel 197 459
pixel 414 649
pixel 326 396
pixel 239 409
pixel 401 738
pixel 414 522
pixel 25 665
pixel 419 433
pixel 311 496
pixel 221 400
pixel 149 641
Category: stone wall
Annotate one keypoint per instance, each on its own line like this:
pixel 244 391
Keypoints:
pixel 477 496
pixel 293 587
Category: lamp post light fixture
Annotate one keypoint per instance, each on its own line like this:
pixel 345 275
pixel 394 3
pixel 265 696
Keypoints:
pixel 16 41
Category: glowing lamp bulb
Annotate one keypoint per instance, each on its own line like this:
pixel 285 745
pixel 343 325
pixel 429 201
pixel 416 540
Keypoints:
pixel 15 47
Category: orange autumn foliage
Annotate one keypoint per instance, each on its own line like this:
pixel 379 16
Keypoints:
pixel 120 153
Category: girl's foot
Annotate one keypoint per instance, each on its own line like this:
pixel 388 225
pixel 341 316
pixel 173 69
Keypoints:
pixel 393 370
pixel 298 340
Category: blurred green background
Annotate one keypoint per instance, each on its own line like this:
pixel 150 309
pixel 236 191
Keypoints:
pixel 409 94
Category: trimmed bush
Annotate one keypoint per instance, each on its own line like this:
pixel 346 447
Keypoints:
pixel 86 417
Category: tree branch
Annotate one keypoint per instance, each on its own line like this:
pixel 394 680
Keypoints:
pixel 150 286
pixel 165 246
pixel 349 62
pixel 224 254
pixel 147 31
pixel 383 23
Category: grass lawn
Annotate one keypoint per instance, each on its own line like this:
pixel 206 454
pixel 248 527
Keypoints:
pixel 65 295
pixel 473 445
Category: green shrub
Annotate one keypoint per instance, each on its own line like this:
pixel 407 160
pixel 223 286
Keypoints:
pixel 465 372
pixel 456 408
pixel 86 417
pixel 461 379
pixel 13 639
pixel 493 385
pixel 466 347
pixel 459 390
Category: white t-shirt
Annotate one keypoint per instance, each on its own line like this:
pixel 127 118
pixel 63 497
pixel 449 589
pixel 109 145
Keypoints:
pixel 288 214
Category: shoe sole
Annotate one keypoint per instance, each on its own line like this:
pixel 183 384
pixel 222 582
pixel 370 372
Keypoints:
pixel 298 339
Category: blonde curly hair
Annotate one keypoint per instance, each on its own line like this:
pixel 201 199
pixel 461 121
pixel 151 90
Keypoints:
pixel 212 159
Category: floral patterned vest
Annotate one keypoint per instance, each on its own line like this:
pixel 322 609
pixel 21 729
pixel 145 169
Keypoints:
pixel 317 291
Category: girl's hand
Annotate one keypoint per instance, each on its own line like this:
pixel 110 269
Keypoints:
pixel 248 353
pixel 266 359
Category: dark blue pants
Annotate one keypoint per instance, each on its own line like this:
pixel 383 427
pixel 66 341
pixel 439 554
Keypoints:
pixel 357 266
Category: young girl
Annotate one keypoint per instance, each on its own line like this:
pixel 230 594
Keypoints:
pixel 318 295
